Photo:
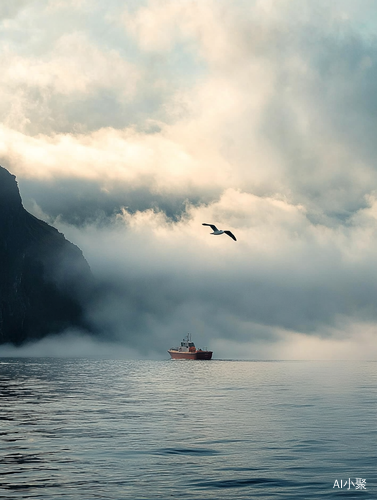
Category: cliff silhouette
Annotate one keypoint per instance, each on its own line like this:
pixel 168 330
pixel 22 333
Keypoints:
pixel 44 279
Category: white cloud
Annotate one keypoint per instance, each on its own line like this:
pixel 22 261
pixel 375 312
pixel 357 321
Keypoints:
pixel 266 108
pixel 283 281
pixel 72 68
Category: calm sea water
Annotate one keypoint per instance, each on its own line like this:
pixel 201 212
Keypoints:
pixel 89 429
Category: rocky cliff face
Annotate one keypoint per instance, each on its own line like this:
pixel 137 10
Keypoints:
pixel 43 277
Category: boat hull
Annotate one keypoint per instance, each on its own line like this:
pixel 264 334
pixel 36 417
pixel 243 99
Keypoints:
pixel 190 355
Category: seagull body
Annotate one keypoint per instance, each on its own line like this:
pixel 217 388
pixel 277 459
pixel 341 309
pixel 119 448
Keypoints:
pixel 219 231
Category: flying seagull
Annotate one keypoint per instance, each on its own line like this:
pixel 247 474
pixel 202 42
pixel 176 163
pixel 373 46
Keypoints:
pixel 219 231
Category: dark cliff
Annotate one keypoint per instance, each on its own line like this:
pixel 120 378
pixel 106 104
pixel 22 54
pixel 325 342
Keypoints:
pixel 44 279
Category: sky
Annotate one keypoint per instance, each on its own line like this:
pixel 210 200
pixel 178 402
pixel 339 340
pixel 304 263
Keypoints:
pixel 129 123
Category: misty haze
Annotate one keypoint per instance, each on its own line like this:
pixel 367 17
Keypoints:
pixel 130 131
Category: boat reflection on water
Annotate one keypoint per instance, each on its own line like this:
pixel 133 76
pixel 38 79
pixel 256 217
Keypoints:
pixel 187 350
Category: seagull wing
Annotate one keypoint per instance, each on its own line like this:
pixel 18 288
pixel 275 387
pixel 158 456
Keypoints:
pixel 214 228
pixel 229 233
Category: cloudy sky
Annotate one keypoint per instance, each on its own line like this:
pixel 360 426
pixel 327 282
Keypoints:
pixel 129 123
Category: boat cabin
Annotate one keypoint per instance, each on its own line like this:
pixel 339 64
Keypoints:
pixel 187 345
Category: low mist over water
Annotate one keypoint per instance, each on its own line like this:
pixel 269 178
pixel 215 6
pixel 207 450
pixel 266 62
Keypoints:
pixel 117 430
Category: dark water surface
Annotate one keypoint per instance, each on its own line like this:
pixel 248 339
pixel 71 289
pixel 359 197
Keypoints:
pixel 89 429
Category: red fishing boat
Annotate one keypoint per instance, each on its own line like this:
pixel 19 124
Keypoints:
pixel 187 350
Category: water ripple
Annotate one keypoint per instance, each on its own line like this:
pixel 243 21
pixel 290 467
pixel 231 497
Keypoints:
pixel 242 483
pixel 187 451
pixel 124 430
